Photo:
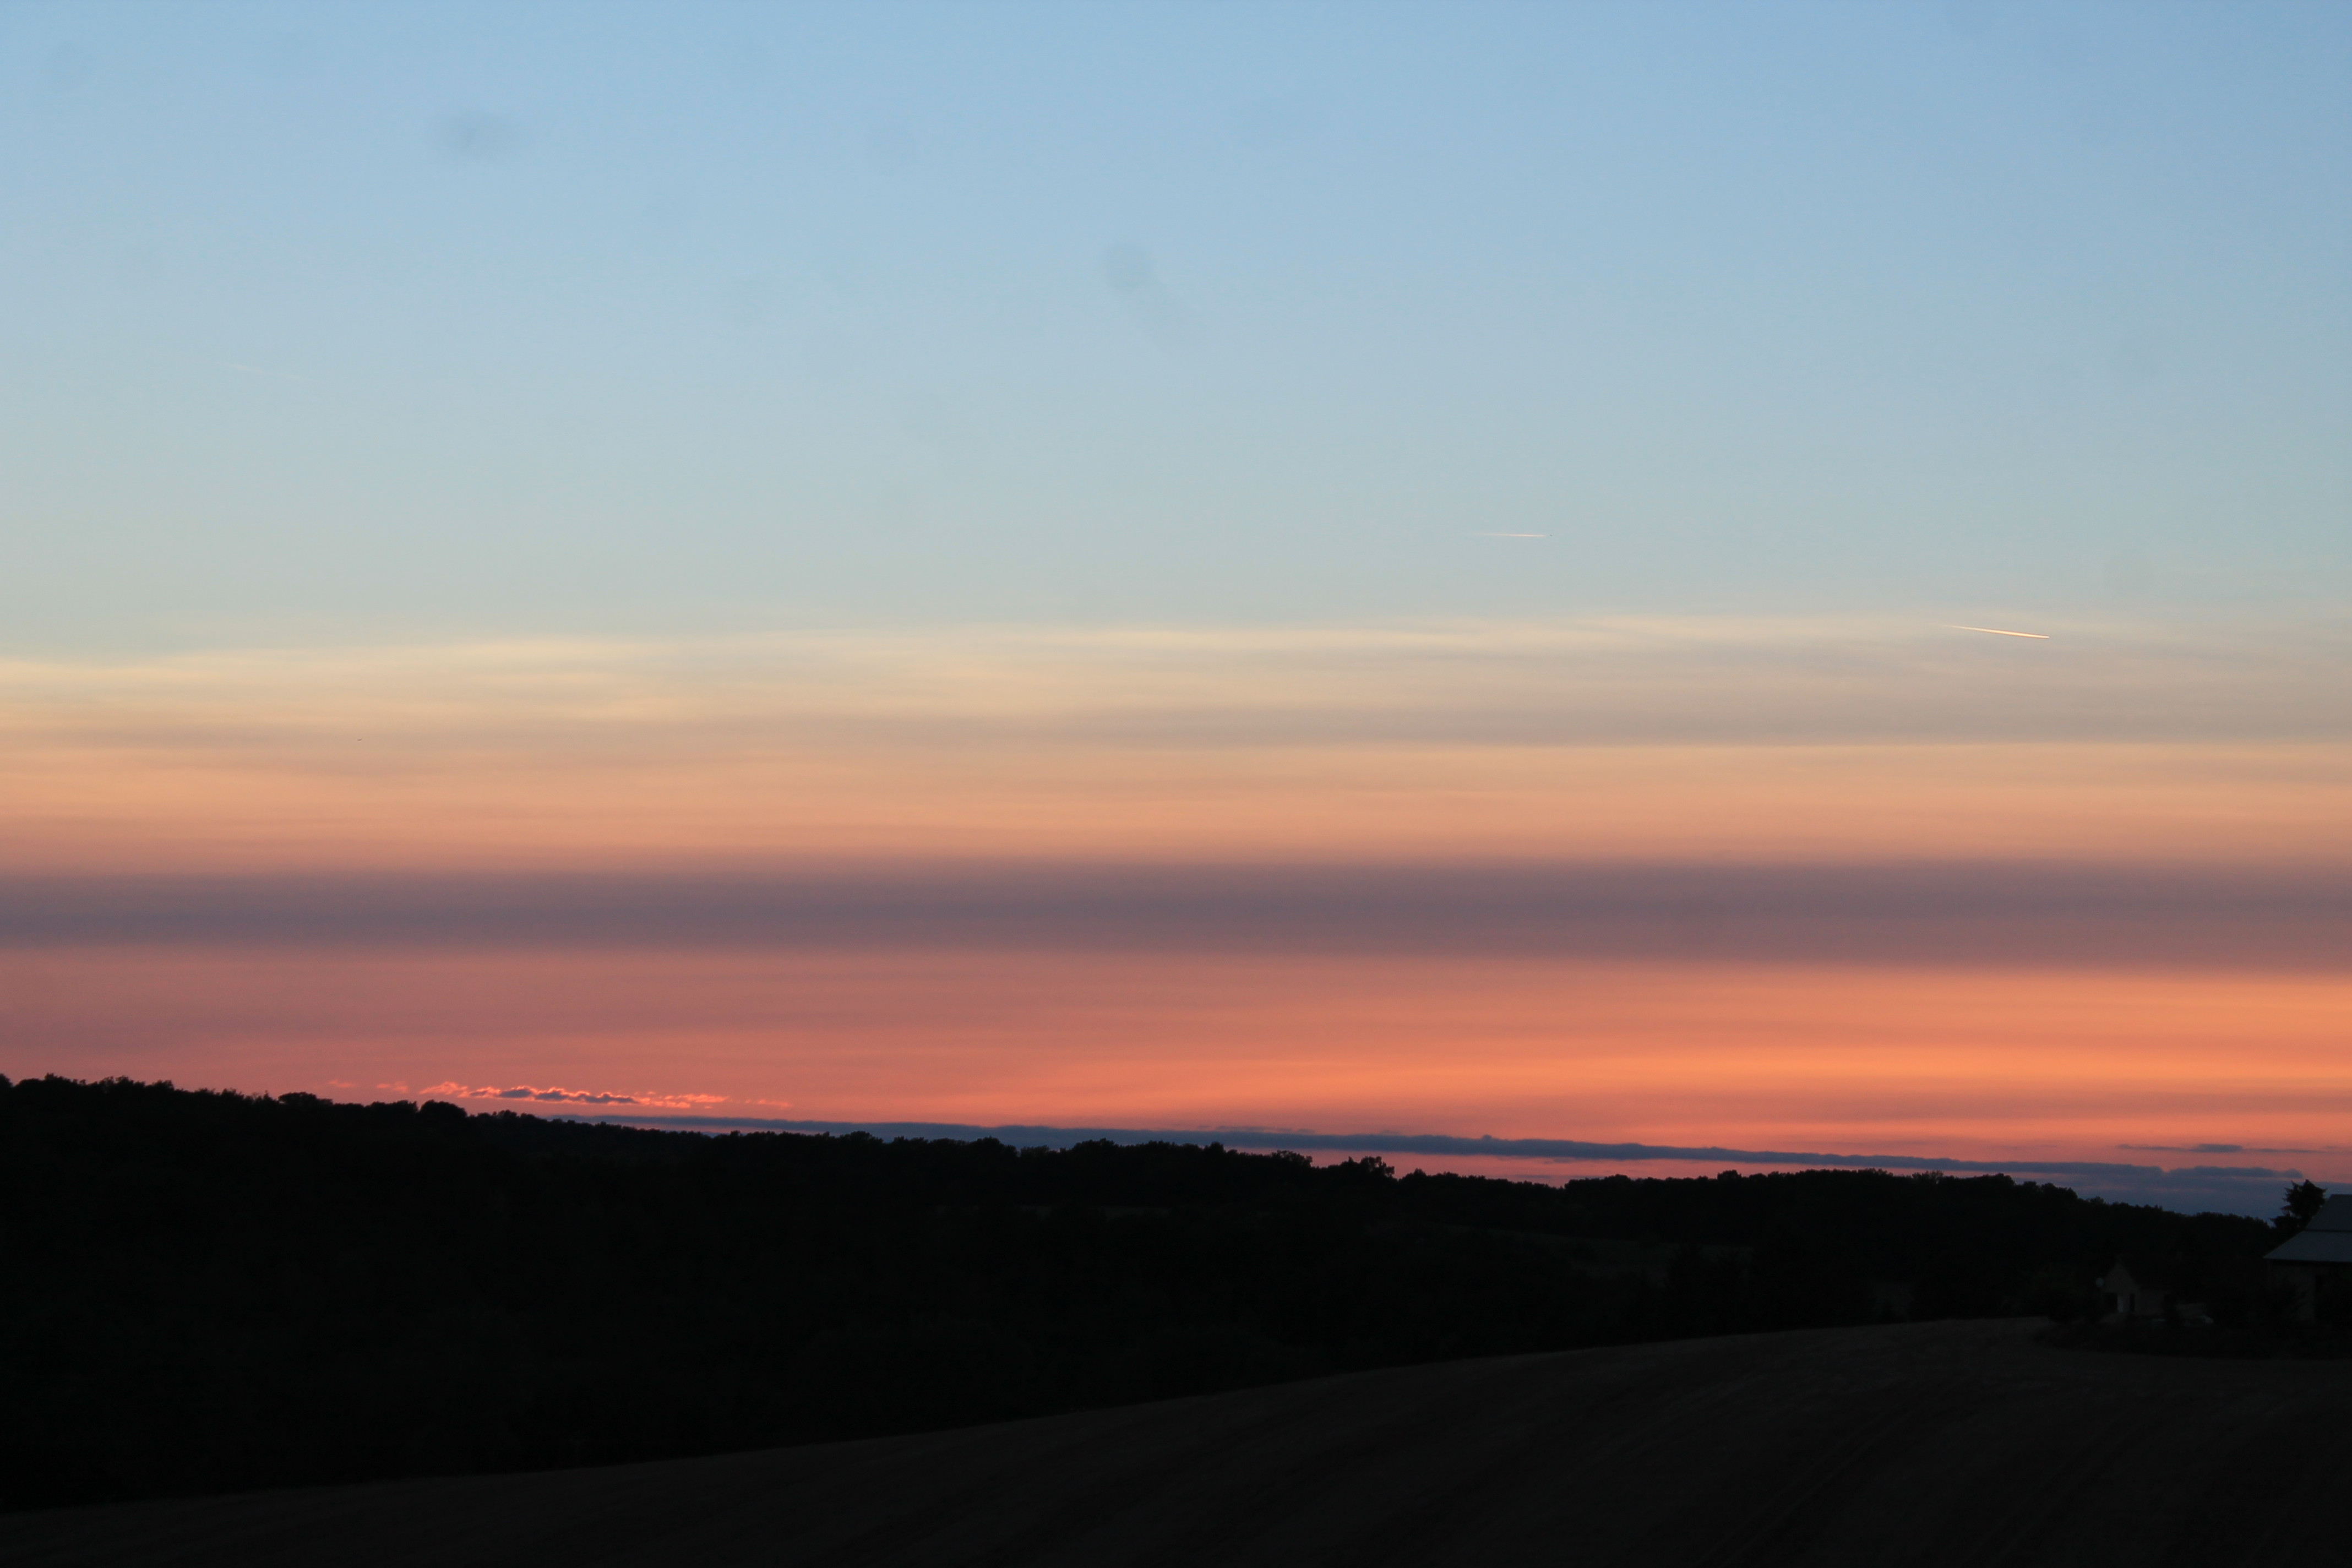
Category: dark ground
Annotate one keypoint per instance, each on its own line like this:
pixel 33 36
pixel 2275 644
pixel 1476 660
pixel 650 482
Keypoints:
pixel 208 1293
pixel 1950 1443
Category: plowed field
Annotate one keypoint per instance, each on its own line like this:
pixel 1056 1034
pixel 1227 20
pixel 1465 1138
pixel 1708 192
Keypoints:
pixel 1928 1443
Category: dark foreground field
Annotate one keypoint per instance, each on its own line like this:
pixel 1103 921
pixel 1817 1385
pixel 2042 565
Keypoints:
pixel 1934 1442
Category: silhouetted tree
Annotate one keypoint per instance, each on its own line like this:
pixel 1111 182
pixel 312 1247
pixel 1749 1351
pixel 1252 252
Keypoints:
pixel 206 1292
pixel 2302 1201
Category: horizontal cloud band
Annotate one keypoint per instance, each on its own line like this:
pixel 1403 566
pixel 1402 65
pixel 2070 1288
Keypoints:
pixel 2027 913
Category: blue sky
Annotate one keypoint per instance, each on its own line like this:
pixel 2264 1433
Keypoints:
pixel 1346 567
pixel 329 323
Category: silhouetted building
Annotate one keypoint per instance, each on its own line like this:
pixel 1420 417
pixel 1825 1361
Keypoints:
pixel 2140 1287
pixel 2316 1256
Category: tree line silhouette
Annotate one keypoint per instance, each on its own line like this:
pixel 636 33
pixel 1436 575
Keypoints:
pixel 205 1290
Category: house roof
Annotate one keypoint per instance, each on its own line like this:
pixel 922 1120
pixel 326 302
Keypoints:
pixel 2336 1214
pixel 2326 1239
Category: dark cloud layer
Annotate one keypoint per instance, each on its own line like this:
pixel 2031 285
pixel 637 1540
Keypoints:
pixel 1968 914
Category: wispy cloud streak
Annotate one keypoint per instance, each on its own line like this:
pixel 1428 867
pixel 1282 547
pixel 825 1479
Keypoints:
pixel 552 1095
pixel 1701 740
pixel 2014 914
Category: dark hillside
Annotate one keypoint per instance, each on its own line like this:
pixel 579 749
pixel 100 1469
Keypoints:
pixel 208 1292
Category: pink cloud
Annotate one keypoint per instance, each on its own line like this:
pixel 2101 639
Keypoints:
pixel 554 1095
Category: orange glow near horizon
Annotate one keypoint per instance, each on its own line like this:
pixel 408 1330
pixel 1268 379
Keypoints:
pixel 1694 745
pixel 1964 1064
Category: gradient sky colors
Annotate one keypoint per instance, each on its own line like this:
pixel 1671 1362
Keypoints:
pixel 964 565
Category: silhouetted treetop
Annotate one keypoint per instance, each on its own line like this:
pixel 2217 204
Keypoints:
pixel 204 1290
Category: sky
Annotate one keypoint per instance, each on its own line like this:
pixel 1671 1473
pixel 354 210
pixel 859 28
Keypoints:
pixel 1379 576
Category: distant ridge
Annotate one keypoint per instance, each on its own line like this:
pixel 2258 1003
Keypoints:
pixel 2149 1184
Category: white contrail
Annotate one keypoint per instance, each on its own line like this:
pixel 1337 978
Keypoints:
pixel 1515 536
pixel 1996 631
